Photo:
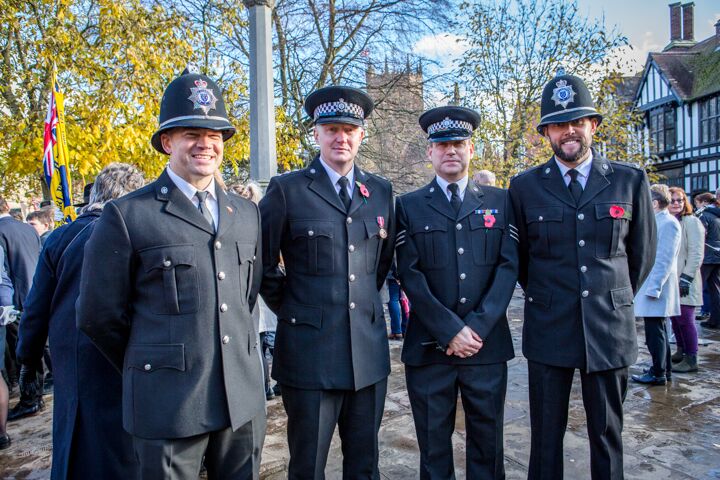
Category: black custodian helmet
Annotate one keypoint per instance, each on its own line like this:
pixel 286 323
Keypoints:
pixel 192 100
pixel 566 98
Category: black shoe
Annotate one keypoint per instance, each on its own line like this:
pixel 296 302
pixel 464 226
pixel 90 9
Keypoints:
pixel 22 410
pixel 649 379
pixel 277 390
pixel 702 316
pixel 5 442
pixel 709 325
pixel 269 394
pixel 668 374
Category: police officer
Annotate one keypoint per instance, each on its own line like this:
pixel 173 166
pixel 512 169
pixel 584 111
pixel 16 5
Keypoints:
pixel 587 241
pixel 333 225
pixel 169 280
pixel 457 261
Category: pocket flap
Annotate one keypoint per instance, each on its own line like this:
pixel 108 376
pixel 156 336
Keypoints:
pixel 167 256
pixel 538 296
pixel 246 252
pixel 151 357
pixel 424 225
pixel 622 297
pixel 613 210
pixel 372 228
pixel 296 314
pixel 311 228
pixel 477 220
pixel 544 214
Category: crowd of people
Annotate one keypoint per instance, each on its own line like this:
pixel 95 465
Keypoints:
pixel 163 303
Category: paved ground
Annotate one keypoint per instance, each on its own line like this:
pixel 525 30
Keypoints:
pixel 671 432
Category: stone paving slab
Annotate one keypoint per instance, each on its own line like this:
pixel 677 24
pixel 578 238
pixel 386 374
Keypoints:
pixel 671 432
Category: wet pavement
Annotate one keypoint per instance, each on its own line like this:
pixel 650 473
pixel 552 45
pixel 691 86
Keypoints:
pixel 671 432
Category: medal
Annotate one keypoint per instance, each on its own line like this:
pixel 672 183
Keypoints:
pixel 381 224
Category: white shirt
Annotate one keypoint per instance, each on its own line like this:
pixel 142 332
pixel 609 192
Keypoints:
pixel 443 184
pixel 583 171
pixel 3 215
pixel 189 191
pixel 335 176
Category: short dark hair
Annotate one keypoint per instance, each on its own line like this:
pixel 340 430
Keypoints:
pixel 4 207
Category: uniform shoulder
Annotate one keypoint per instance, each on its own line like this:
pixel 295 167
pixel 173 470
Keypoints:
pixel 147 190
pixel 419 193
pixel 617 165
pixel 526 173
pixel 365 175
pixel 240 202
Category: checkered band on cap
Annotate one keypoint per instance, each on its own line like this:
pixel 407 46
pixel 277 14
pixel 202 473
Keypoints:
pixel 341 108
pixel 448 124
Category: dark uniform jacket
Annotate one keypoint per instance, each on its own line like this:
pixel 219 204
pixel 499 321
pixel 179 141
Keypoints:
pixel 22 250
pixel 331 331
pixel 580 266
pixel 457 270
pixel 88 390
pixel 168 301
pixel 710 218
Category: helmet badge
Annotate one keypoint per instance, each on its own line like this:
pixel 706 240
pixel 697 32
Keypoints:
pixel 202 97
pixel 563 94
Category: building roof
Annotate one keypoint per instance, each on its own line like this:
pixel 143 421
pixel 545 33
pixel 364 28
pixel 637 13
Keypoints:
pixel 692 71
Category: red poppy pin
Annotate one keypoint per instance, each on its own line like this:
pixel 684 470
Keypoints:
pixel 616 211
pixel 363 191
pixel 489 220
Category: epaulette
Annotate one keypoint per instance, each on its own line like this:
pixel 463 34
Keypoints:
pixel 634 166
pixel 524 172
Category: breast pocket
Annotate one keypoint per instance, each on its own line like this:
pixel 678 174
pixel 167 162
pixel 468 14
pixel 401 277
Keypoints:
pixel 611 228
pixel 175 268
pixel 430 236
pixel 486 239
pixel 544 230
pixel 246 261
pixel 373 244
pixel 313 241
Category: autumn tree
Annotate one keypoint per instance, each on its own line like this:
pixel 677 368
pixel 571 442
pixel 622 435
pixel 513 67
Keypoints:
pixel 114 59
pixel 514 48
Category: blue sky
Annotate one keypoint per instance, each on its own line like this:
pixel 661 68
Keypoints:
pixel 646 24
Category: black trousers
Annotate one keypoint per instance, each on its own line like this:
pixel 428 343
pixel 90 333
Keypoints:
pixel 312 416
pixel 711 279
pixel 603 395
pixel 228 455
pixel 657 342
pixel 433 392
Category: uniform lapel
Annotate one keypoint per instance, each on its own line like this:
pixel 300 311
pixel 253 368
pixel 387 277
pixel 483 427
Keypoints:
pixel 357 198
pixel 554 183
pixel 227 213
pixel 438 201
pixel 320 184
pixel 178 205
pixel 597 181
pixel 472 200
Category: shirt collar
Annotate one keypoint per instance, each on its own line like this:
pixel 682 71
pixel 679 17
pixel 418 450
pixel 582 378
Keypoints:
pixel 186 188
pixel 443 184
pixel 3 215
pixel 583 169
pixel 335 176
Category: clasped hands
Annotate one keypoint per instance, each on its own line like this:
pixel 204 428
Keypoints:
pixel 465 344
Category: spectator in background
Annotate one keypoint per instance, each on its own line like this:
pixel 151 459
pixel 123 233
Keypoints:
pixel 659 296
pixel 88 391
pixel 42 221
pixel 484 177
pixel 688 263
pixel 701 201
pixel 398 322
pixel 6 299
pixel 710 218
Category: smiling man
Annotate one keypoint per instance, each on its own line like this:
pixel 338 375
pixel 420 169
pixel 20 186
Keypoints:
pixel 457 262
pixel 587 242
pixel 332 224
pixel 170 277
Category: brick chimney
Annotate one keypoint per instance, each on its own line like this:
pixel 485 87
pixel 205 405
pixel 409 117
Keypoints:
pixel 688 21
pixel 675 23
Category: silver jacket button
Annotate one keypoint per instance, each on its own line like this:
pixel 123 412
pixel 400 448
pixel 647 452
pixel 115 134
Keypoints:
pixel 351 248
pixel 218 245
pixel 167 263
pixel 223 307
pixel 462 276
pixel 581 243
pixel 148 367
pixel 225 339
pixel 461 251
pixel 352 305
pixel 585 293
pixel 221 275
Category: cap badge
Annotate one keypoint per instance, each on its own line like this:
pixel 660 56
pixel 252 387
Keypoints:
pixel 563 94
pixel 446 123
pixel 341 105
pixel 202 97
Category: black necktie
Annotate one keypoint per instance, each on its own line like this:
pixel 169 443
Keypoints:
pixel 202 206
pixel 574 186
pixel 343 182
pixel 455 200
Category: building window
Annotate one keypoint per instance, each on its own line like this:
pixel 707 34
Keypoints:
pixel 698 182
pixel 710 120
pixel 662 129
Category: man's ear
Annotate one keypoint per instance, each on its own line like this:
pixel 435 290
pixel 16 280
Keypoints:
pixel 165 142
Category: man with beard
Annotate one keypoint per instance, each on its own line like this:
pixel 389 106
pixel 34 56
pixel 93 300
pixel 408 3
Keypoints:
pixel 587 240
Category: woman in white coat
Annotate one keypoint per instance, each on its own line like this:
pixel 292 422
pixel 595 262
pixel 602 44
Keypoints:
pixel 659 296
pixel 690 258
